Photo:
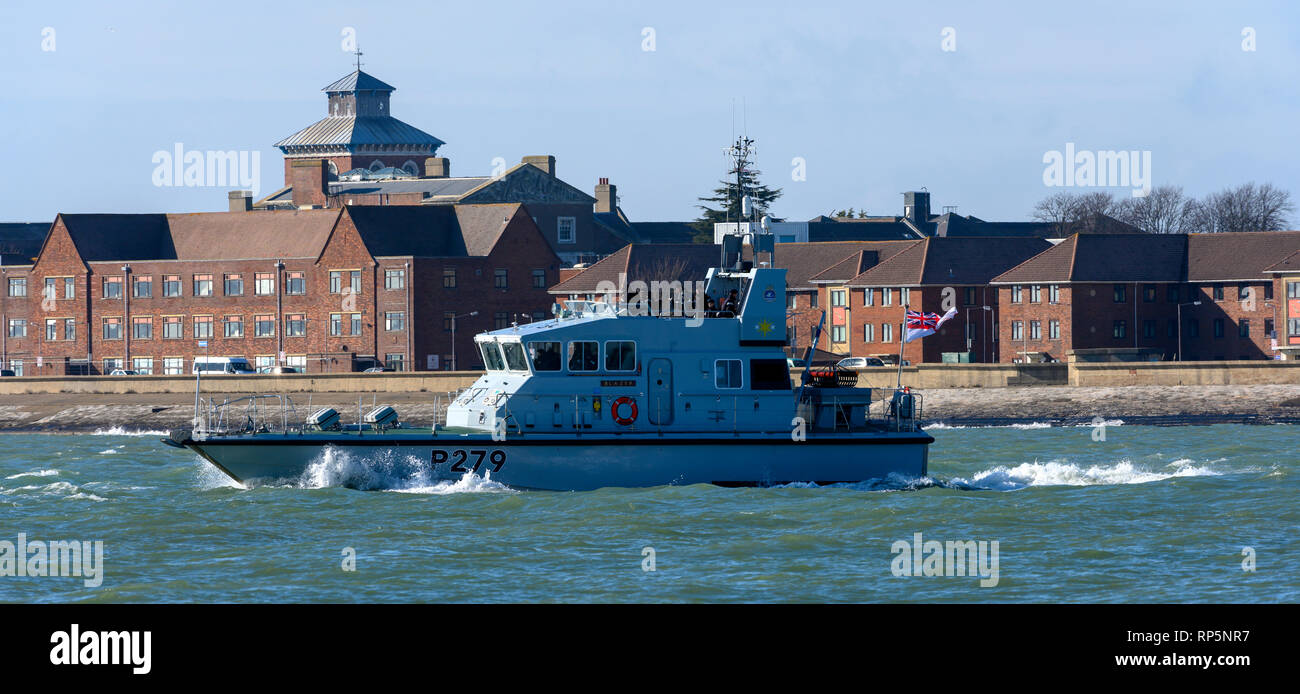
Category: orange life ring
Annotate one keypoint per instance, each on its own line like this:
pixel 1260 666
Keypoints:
pixel 614 410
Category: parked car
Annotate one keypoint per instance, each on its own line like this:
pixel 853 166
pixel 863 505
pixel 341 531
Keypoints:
pixel 223 365
pixel 124 372
pixel 6 372
pixel 377 370
pixel 855 363
pixel 278 370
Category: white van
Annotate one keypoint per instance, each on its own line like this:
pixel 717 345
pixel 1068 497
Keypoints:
pixel 223 365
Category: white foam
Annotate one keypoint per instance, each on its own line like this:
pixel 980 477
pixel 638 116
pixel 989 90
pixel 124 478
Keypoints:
pixel 207 476
pixel 108 451
pixel 121 431
pixel 468 483
pixel 1036 474
pixel 1029 425
pixel 34 473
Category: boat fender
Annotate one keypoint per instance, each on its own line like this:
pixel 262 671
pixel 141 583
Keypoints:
pixel 616 410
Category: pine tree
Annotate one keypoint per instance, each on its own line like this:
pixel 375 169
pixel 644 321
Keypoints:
pixel 724 204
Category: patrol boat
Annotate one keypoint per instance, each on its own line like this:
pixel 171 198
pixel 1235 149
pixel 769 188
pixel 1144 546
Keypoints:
pixel 614 393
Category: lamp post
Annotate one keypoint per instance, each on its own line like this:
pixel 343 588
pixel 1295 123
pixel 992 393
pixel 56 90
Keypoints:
pixel 1180 326
pixel 1273 306
pixel 453 336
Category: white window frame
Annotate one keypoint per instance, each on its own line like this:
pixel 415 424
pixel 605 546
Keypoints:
pixel 572 224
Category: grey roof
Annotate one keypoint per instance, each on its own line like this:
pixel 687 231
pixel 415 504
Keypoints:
pixel 430 187
pixel 666 232
pixel 21 241
pixel 357 81
pixel 353 131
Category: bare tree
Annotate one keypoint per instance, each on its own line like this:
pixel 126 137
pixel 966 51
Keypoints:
pixel 1248 207
pixel 1060 208
pixel 1161 211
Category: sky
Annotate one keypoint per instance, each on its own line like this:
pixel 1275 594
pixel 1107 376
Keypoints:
pixel 850 103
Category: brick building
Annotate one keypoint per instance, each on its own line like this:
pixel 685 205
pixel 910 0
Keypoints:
pixel 1136 297
pixel 1286 276
pixel 323 290
pixel 359 154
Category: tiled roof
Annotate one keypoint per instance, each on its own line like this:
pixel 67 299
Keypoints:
pixel 1106 258
pixel 942 261
pixel 1243 255
pixel 200 236
pixel 356 131
pixel 357 81
pixel 884 229
pixel 429 187
pixel 1289 264
pixel 21 241
pixel 806 261
pixel 646 262
pixel 665 232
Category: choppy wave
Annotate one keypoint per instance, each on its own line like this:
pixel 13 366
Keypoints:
pixel 60 488
pixel 1016 425
pixel 388 471
pixel 120 431
pixel 1036 474
pixel 207 476
pixel 894 482
pixel 33 473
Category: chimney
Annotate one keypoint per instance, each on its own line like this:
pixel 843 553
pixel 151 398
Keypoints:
pixel 544 162
pixel 437 167
pixel 916 206
pixel 308 181
pixel 240 200
pixel 606 196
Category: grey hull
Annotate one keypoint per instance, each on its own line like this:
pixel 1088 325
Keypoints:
pixel 552 463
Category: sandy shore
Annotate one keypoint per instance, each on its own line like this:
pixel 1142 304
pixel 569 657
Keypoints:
pixel 956 406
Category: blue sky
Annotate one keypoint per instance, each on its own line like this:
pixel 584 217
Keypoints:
pixel 862 91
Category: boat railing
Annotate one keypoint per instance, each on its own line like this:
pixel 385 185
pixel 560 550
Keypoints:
pixel 263 413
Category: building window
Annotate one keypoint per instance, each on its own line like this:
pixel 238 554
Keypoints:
pixel 1193 327
pixel 868 297
pixel 838 298
pixel 449 278
pixel 500 279
pixel 395 321
pixel 295 283
pixel 1017 330
pixel 1171 294
pixel 263 325
pixel 1036 293
pixel 17 286
pixel 539 279
pixel 812 300
pixel 1148 328
pixel 112 328
pixel 295 325
pixel 500 320
pixel 448 318
pixel 1149 293
pixel 1293 290
pixel 396 362
pixel 17 327
pixel 297 361
pixel 112 364
pixel 141 327
pixel 791 300
pixel 1268 328
pixel 142 287
pixel 886 296
pixel 1293 327
pixel 838 334
pixel 234 285
pixel 395 279
pixel 52 287
pixel 1243 327
pixel 970 296
pixel 1035 330
pixel 203 285
pixel 1268 291
pixel 345 324
pixel 1054 329
pixel 1218 327
pixel 142 365
pixel 1119 330
pixel 264 283
pixel 113 287
pixel 1171 328
pixel 904 296
pixel 868 332
pixel 233 326
pixel 727 374
pixel 1120 294
pixel 173 327
pixel 1054 293
pixel 1015 294
pixel 51 329
pixel 173 366
pixel 203 327
pixel 567 229
pixel 886 332
pixel 341 279
pixel 1218 292
pixel 171 285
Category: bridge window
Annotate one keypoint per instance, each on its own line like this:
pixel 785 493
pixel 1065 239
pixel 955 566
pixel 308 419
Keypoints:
pixel 620 355
pixel 769 374
pixel 491 356
pixel 514 356
pixel 546 355
pixel 726 374
pixel 584 356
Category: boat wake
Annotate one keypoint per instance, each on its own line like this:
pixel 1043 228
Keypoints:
pixel 120 431
pixel 388 471
pixel 1050 474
